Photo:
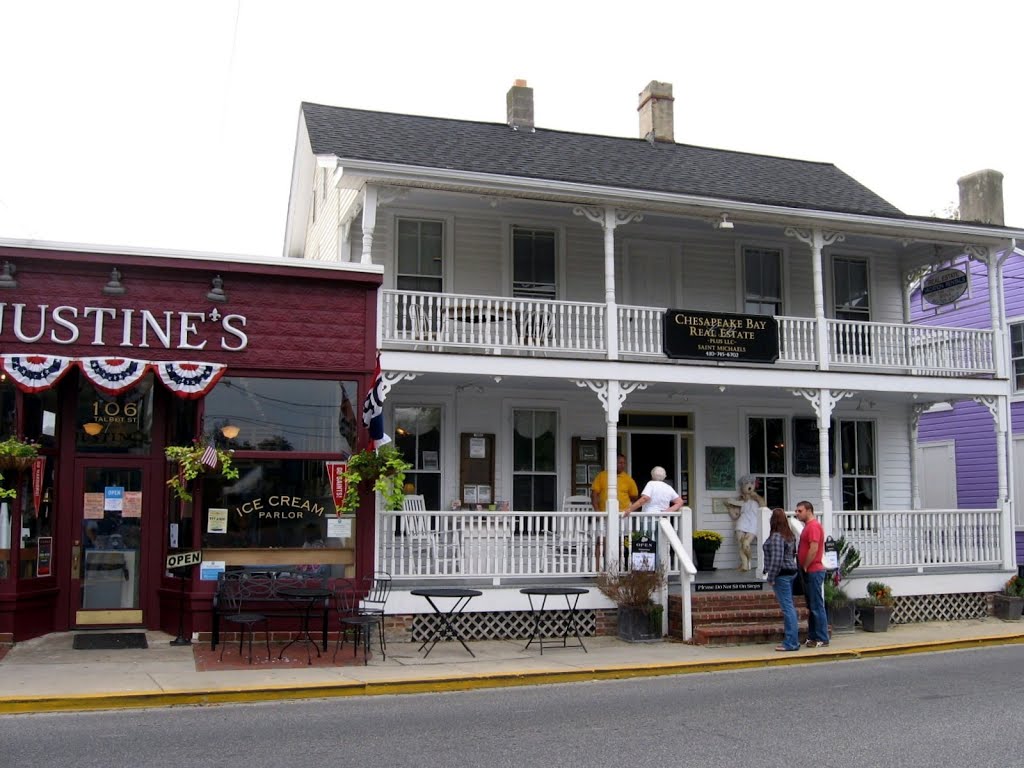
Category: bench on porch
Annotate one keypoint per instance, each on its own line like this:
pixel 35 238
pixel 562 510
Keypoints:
pixel 261 593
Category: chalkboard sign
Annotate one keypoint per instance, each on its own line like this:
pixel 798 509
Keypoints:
pixel 805 447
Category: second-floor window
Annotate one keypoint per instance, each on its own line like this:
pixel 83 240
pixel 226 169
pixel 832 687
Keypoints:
pixel 850 292
pixel 1017 355
pixel 533 263
pixel 762 281
pixel 420 255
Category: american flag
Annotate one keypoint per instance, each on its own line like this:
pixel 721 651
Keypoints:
pixel 209 457
pixel 373 410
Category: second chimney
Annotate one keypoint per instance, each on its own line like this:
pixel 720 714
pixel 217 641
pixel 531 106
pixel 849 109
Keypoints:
pixel 981 197
pixel 656 112
pixel 519 101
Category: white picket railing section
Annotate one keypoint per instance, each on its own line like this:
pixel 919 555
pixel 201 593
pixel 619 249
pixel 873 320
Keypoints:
pixel 925 538
pixel 922 349
pixel 461 544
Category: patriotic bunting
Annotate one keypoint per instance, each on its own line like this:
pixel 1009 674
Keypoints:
pixel 373 409
pixel 113 375
pixel 35 373
pixel 190 380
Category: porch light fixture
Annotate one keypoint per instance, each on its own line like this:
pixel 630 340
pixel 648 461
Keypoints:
pixel 92 428
pixel 722 222
pixel 216 293
pixel 113 286
pixel 7 276
pixel 230 431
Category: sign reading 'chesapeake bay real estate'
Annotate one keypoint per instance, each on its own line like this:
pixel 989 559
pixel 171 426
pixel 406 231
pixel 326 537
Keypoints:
pixel 721 336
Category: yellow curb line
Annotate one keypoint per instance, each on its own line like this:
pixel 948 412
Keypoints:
pixel 150 699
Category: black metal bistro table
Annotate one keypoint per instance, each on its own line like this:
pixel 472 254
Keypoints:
pixel 570 622
pixel 310 596
pixel 446 629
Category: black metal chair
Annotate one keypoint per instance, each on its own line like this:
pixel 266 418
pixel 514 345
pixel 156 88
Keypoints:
pixel 234 593
pixel 360 608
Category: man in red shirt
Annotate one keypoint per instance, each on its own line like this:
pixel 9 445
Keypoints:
pixel 808 559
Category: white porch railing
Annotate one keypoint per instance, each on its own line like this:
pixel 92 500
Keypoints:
pixel 496 545
pixel 921 348
pixel 443 320
pixel 924 538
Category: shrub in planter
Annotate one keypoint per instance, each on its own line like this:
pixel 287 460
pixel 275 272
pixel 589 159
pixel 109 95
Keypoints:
pixel 632 592
pixel 839 607
pixel 875 610
pixel 1009 603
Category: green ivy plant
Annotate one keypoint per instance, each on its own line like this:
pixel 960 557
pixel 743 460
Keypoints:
pixel 385 468
pixel 15 455
pixel 190 467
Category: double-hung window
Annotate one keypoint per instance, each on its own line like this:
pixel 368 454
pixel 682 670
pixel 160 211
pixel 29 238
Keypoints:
pixel 418 439
pixel 762 281
pixel 857 455
pixel 1017 355
pixel 534 476
pixel 766 449
pixel 420 255
pixel 533 263
pixel 850 289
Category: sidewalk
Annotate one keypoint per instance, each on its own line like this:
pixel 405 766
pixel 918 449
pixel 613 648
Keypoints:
pixel 46 675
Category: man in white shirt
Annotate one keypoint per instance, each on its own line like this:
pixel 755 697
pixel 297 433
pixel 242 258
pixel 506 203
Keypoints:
pixel 657 495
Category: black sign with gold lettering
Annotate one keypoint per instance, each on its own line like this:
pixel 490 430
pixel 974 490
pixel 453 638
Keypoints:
pixel 721 336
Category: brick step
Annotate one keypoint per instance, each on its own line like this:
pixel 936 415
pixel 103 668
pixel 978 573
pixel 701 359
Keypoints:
pixel 742 633
pixel 743 599
pixel 739 615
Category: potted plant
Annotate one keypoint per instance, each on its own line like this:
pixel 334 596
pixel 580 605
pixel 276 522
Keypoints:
pixel 875 610
pixel 632 591
pixel 375 470
pixel 840 608
pixel 189 459
pixel 1008 604
pixel 17 455
pixel 705 544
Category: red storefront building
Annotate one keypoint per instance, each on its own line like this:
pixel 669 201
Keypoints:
pixel 107 358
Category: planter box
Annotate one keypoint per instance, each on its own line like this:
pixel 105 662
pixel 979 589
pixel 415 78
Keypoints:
pixel 1007 608
pixel 705 560
pixel 842 618
pixel 875 618
pixel 637 625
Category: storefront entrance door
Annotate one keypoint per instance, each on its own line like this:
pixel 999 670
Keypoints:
pixel 106 555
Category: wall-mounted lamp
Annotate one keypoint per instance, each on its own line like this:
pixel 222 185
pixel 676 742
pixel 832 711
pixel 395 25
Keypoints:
pixel 113 286
pixel 7 275
pixel 216 293
pixel 92 428
pixel 721 387
pixel 230 431
pixel 722 222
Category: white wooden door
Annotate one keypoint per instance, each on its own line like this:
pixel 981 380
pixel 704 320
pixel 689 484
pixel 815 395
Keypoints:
pixel 936 474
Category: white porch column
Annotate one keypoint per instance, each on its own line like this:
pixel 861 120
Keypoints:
pixel 369 221
pixel 609 218
pixel 612 394
pixel 824 402
pixel 999 407
pixel 817 240
pixel 915 486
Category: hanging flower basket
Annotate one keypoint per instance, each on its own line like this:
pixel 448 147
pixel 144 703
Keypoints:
pixel 189 459
pixel 16 455
pixel 380 470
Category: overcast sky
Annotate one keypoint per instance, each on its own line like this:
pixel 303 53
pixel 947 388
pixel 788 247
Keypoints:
pixel 172 125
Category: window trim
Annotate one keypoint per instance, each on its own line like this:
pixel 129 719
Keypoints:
pixel 831 285
pixel 843 474
pixel 447 243
pixel 507 252
pixel 1015 392
pixel 741 270
pixel 787 426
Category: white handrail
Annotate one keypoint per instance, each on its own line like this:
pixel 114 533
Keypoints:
pixel 687 572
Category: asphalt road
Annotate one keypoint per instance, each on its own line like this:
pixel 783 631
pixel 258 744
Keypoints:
pixel 960 708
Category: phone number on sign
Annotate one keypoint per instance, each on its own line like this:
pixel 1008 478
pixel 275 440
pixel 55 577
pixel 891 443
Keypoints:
pixel 722 354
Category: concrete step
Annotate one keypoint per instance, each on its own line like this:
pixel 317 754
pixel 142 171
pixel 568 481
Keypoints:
pixel 742 633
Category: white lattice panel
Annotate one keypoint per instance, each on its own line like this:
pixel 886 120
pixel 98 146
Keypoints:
pixel 916 608
pixel 504 625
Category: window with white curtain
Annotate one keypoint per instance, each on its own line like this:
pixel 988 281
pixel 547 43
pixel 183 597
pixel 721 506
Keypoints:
pixel 418 439
pixel 534 472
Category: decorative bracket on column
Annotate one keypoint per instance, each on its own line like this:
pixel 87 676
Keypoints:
pixel 600 388
pixel 599 215
pixel 915 415
pixel 990 403
pixel 806 236
pixel 388 380
pixel 980 253
pixel 823 401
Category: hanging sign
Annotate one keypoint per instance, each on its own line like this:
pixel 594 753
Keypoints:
pixel 720 336
pixel 944 286
pixel 642 555
pixel 830 557
pixel 336 477
pixel 38 467
pixel 113 498
pixel 183 559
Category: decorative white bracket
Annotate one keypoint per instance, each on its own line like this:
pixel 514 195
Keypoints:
pixel 389 379
pixel 806 236
pixel 990 403
pixel 915 415
pixel 823 401
pixel 601 389
pixel 609 218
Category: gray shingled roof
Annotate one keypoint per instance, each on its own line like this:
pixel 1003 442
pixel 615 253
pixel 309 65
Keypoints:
pixel 433 142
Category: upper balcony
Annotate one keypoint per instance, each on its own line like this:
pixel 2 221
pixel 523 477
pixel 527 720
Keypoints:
pixel 445 322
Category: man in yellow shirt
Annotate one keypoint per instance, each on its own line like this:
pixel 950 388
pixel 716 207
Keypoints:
pixel 624 485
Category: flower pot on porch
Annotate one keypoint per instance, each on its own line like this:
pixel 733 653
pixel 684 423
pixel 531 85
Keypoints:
pixel 705 560
pixel 875 618
pixel 841 616
pixel 1007 608
pixel 640 625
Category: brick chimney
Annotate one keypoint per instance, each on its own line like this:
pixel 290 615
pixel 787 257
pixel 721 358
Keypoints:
pixel 981 197
pixel 656 112
pixel 519 101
